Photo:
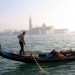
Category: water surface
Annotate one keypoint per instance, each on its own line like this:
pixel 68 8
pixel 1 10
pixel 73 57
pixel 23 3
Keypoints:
pixel 37 44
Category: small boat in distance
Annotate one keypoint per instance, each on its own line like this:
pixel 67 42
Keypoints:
pixel 40 58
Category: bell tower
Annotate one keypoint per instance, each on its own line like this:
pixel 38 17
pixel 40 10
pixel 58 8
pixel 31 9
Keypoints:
pixel 30 23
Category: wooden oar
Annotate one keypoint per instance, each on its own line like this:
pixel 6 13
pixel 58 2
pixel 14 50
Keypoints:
pixel 40 68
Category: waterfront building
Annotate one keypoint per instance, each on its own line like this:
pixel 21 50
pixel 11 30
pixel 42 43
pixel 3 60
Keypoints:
pixel 40 30
pixel 61 31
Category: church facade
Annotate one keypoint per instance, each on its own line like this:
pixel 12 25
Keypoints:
pixel 40 30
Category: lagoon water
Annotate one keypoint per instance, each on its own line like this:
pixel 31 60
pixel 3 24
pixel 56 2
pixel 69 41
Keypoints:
pixel 37 44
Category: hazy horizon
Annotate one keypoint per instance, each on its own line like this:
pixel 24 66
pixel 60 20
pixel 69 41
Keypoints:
pixel 14 14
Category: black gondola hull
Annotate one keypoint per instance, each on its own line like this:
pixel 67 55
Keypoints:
pixel 29 59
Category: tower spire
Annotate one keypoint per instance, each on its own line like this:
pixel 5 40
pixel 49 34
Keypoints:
pixel 30 23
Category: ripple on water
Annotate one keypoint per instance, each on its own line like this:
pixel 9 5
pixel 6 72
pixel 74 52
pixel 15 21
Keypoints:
pixel 37 44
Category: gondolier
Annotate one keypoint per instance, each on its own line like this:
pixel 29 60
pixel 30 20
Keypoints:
pixel 21 42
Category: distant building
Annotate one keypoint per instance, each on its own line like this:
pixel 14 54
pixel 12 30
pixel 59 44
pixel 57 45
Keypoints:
pixel 8 32
pixel 30 23
pixel 45 29
pixel 61 31
pixel 42 30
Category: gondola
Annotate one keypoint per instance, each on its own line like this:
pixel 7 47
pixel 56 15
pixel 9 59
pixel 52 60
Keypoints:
pixel 40 58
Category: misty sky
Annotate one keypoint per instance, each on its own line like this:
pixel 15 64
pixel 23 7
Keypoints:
pixel 14 14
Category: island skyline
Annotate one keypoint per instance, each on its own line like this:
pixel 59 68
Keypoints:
pixel 14 14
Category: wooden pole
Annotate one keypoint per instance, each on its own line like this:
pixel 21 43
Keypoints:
pixel 40 68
